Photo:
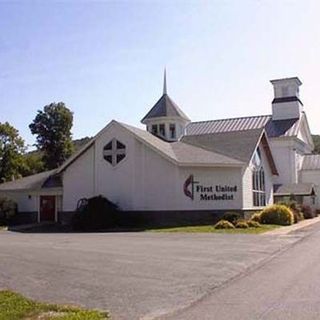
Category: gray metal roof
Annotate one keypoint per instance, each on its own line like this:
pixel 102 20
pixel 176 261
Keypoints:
pixel 236 144
pixel 35 182
pixel 311 162
pixel 299 189
pixel 274 128
pixel 165 107
pixel 184 153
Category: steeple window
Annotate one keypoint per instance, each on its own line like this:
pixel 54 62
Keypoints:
pixel 162 130
pixel 172 129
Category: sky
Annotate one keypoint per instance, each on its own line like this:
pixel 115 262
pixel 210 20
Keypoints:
pixel 105 59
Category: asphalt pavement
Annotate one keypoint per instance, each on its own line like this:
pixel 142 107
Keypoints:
pixel 287 287
pixel 145 275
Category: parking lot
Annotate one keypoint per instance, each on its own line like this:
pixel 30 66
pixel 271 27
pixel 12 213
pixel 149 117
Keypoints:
pixel 134 275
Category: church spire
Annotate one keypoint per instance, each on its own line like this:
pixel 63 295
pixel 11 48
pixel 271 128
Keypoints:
pixel 165 82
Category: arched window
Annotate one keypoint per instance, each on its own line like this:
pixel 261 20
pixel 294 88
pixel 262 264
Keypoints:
pixel 258 181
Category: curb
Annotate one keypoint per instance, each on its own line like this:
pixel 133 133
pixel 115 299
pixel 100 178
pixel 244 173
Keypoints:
pixel 294 227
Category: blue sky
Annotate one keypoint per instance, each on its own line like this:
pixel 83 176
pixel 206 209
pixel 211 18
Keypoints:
pixel 105 60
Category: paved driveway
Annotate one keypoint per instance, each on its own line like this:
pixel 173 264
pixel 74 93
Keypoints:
pixel 134 275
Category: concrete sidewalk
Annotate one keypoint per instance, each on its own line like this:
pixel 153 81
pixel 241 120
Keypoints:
pixel 294 227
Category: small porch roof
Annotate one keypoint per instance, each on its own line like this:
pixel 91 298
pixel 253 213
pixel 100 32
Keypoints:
pixel 39 181
pixel 298 189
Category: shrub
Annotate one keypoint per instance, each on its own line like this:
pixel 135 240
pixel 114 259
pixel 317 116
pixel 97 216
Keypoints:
pixel 224 224
pixel 8 209
pixel 232 217
pixel 256 217
pixel 242 225
pixel 277 214
pixel 295 209
pixel 95 214
pixel 317 212
pixel 307 212
pixel 253 224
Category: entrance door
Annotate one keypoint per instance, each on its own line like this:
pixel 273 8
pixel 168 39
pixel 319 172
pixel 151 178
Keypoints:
pixel 47 208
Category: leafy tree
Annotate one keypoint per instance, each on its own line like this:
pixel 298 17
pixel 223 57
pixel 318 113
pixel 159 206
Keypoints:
pixel 316 141
pixel 11 152
pixel 53 129
pixel 33 163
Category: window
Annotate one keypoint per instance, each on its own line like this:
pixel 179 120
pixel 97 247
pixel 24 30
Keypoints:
pixel 162 130
pixel 172 129
pixel 154 129
pixel 258 181
pixel 114 152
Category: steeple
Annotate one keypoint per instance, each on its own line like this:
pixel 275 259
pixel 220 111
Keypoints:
pixel 165 82
pixel 165 119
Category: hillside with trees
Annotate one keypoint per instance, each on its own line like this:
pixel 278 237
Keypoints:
pixel 316 141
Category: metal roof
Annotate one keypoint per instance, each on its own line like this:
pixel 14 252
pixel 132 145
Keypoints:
pixel 274 128
pixel 299 189
pixel 311 162
pixel 165 107
pixel 235 144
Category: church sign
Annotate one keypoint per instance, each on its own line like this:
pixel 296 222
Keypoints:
pixel 214 192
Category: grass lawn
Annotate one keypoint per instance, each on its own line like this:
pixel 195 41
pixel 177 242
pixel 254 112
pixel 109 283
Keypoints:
pixel 211 229
pixel 14 306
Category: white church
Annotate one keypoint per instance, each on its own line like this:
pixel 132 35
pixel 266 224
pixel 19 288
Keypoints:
pixel 183 169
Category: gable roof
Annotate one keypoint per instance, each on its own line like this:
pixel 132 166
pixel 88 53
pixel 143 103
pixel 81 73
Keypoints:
pixel 235 144
pixel 34 182
pixel 178 152
pixel 165 107
pixel 239 145
pixel 183 153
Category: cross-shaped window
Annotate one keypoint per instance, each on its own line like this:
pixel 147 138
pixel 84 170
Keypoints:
pixel 114 152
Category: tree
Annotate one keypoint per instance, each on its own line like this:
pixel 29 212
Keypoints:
pixel 53 129
pixel 11 152
pixel 33 163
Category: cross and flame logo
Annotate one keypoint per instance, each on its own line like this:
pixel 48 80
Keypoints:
pixel 188 186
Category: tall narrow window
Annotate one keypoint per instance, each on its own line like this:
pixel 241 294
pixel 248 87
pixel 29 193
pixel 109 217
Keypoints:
pixel 172 129
pixel 154 129
pixel 258 181
pixel 162 130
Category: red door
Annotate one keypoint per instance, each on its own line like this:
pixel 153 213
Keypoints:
pixel 47 208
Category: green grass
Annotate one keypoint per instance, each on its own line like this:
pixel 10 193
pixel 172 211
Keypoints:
pixel 211 229
pixel 14 306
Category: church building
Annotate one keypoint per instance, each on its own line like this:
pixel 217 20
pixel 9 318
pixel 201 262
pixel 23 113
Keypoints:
pixel 179 168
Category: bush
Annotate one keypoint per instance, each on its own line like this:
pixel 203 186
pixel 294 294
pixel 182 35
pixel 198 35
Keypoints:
pixel 295 209
pixel 224 224
pixel 232 217
pixel 8 209
pixel 317 212
pixel 253 224
pixel 242 225
pixel 277 214
pixel 95 214
pixel 256 217
pixel 307 212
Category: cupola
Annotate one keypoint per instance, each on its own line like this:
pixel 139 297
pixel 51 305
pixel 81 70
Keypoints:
pixel 286 103
pixel 165 119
